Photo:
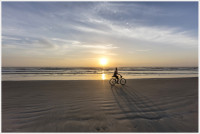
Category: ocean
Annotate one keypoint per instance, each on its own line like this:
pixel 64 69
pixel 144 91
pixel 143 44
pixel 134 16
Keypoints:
pixel 94 73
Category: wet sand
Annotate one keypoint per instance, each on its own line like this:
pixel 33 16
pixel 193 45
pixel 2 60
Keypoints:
pixel 142 105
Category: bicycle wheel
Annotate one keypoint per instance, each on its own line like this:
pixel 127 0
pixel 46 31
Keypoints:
pixel 123 81
pixel 112 82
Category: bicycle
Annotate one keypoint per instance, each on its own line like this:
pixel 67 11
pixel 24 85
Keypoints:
pixel 113 81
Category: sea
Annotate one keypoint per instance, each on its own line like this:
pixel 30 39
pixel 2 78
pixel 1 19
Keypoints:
pixel 94 73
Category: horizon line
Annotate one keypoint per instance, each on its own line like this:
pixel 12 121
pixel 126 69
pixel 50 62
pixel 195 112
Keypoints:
pixel 95 67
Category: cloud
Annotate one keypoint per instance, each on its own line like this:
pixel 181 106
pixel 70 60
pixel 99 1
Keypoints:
pixel 161 35
pixel 9 38
pixel 43 43
pixel 96 46
pixel 103 52
pixel 65 41
pixel 26 43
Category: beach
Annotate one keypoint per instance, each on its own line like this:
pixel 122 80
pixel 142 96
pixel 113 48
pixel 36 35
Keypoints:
pixel 142 105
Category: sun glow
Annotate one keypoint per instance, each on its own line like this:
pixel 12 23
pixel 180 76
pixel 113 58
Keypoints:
pixel 103 61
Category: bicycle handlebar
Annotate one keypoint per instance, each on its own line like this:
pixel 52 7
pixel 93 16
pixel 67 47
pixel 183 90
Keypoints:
pixel 120 75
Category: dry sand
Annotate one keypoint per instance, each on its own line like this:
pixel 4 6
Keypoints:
pixel 143 105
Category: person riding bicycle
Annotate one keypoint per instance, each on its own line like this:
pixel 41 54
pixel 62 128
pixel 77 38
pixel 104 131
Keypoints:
pixel 115 75
pixel 117 80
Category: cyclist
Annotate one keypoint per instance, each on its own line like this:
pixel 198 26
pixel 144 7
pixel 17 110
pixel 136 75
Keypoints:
pixel 115 75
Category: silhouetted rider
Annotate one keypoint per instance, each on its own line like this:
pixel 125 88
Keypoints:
pixel 115 75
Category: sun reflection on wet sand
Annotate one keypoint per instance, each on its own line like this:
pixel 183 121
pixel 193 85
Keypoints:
pixel 103 76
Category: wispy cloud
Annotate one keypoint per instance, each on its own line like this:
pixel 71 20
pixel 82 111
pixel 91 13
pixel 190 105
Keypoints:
pixel 102 52
pixel 66 41
pixel 9 38
pixel 107 46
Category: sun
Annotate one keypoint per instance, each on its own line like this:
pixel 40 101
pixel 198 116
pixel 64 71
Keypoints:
pixel 103 61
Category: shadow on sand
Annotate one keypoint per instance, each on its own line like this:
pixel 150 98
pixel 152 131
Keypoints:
pixel 135 105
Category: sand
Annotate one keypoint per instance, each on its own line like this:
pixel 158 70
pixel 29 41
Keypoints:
pixel 142 105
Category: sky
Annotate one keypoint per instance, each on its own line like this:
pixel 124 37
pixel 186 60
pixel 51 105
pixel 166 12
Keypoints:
pixel 66 34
